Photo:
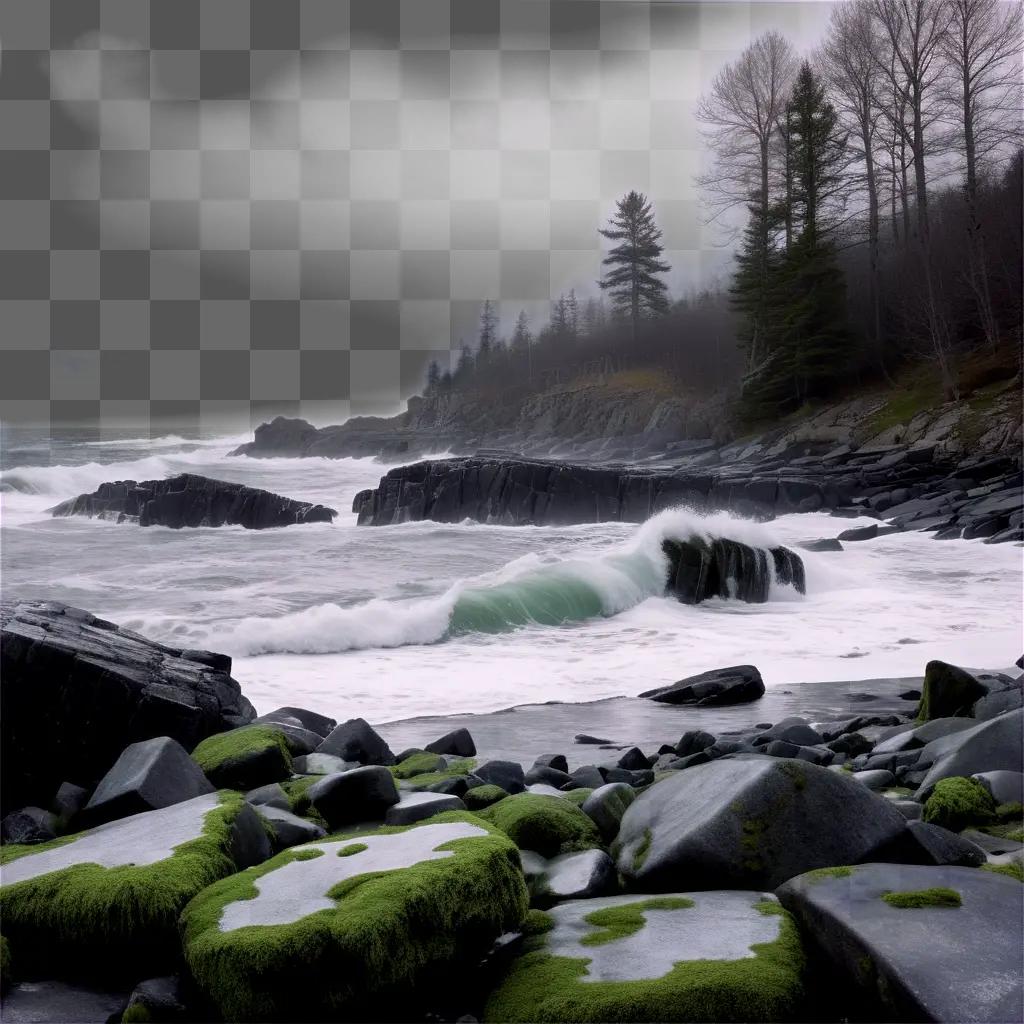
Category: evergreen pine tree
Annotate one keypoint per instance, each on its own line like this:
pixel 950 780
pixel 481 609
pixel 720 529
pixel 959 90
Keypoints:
pixel 488 331
pixel 633 265
pixel 522 344
pixel 433 377
pixel 465 368
pixel 793 304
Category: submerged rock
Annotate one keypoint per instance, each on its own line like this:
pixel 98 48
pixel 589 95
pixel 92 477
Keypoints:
pixel 685 956
pixel 700 569
pixel 368 921
pixel 192 501
pixel 919 943
pixel 91 688
pixel 738 684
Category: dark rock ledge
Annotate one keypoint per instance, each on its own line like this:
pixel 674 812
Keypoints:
pixel 976 498
pixel 77 689
pixel 191 500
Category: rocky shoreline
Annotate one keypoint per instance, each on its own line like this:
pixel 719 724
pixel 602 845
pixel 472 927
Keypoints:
pixel 707 851
pixel 909 488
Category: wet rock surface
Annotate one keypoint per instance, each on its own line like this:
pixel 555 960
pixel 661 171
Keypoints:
pixel 750 481
pixel 968 967
pixel 190 500
pixel 96 687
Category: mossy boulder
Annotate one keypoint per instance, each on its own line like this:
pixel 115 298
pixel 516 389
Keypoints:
pixel 947 692
pixel 704 956
pixel 958 803
pixel 106 901
pixel 352 927
pixel 479 797
pixel 420 763
pixel 916 942
pixel 548 825
pixel 245 758
pixel 751 822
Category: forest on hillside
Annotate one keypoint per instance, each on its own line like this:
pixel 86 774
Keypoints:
pixel 879 181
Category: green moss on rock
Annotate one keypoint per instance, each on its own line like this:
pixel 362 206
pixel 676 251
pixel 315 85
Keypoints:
pixel 551 989
pixel 352 849
pixel 620 922
pixel 958 802
pixel 136 1013
pixel 391 932
pixel 116 921
pixel 455 770
pixel 546 824
pixel 483 796
pixel 418 764
pixel 245 758
pixel 820 874
pixel 578 797
pixel 947 692
pixel 1013 869
pixel 939 896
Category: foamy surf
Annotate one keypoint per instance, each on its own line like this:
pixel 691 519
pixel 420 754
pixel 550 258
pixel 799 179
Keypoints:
pixel 525 592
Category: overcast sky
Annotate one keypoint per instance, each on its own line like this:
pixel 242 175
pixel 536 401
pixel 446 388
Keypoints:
pixel 504 148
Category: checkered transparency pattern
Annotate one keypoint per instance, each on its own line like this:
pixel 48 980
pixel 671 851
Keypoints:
pixel 214 212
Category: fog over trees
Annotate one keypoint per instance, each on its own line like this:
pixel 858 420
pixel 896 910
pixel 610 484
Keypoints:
pixel 879 179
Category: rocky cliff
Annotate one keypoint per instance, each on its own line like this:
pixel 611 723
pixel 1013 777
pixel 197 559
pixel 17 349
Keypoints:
pixel 631 418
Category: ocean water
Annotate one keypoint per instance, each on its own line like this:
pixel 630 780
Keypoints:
pixel 425 618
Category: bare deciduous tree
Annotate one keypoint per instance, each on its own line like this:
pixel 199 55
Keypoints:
pixel 740 116
pixel 917 31
pixel 983 51
pixel 849 58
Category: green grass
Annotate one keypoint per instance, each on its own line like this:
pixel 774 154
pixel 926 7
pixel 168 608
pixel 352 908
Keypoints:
pixel 621 922
pixel 546 824
pixel 1013 870
pixel 245 758
pixel 766 987
pixel 391 931
pixel 959 802
pixel 118 921
pixel 483 796
pixel 938 896
pixel 921 391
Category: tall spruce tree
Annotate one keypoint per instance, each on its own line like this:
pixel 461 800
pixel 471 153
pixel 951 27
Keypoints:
pixel 795 302
pixel 633 265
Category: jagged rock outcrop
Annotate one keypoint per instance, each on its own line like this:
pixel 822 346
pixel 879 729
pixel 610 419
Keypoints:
pixel 76 690
pixel 700 569
pixel 976 498
pixel 191 500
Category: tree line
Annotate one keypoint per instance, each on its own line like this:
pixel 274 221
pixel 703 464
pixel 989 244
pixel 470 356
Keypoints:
pixel 878 184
